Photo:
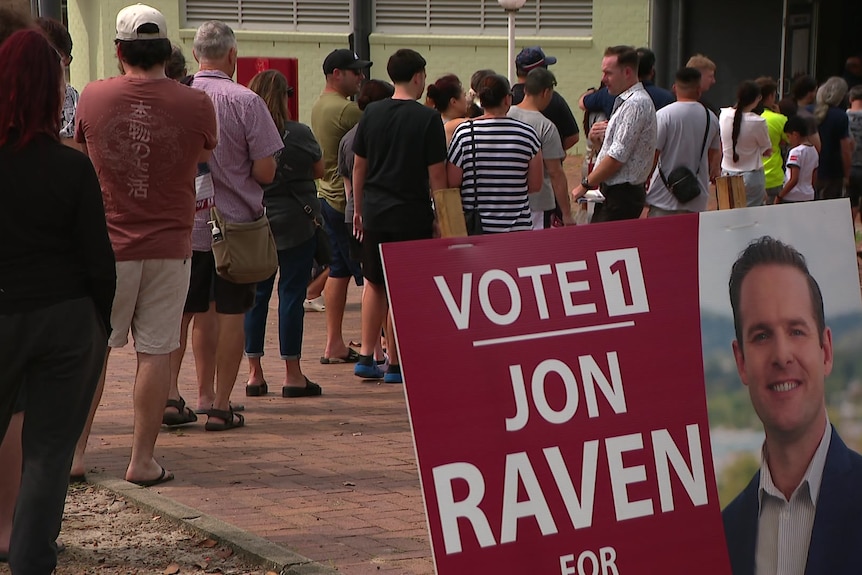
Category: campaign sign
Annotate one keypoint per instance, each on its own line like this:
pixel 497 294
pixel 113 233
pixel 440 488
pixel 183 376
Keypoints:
pixel 555 388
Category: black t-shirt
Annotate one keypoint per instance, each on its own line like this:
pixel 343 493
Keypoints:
pixel 293 187
pixel 558 112
pixel 399 140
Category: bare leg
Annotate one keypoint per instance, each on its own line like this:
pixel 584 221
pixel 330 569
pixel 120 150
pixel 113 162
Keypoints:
pixel 177 358
pixel 335 299
pixel 255 371
pixel 152 382
pixel 78 466
pixel 373 314
pixel 293 376
pixel 315 287
pixel 231 341
pixel 391 346
pixel 204 343
pixel 10 479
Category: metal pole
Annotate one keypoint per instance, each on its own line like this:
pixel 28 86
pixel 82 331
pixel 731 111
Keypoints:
pixel 511 14
pixel 783 49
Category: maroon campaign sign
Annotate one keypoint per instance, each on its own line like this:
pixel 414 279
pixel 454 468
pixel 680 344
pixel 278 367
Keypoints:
pixel 555 389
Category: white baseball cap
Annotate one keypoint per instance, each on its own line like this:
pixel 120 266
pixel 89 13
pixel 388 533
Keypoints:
pixel 131 18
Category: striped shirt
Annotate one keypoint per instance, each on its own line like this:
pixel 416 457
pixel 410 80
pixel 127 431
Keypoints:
pixel 246 132
pixel 495 174
pixel 784 528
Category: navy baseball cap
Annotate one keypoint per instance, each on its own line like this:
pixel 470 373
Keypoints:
pixel 533 57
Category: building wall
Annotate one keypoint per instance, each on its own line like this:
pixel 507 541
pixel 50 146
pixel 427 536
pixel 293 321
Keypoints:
pixel 92 22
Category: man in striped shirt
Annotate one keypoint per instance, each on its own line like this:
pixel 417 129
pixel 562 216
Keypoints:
pixel 802 512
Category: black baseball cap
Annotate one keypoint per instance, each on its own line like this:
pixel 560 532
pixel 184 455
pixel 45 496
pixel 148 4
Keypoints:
pixel 344 59
pixel 533 57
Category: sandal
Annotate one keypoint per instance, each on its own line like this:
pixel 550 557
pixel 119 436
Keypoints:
pixel 182 416
pixel 230 417
pixel 311 389
pixel 351 357
pixel 255 390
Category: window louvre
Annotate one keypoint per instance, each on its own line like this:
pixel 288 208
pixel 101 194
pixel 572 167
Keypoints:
pixel 300 15
pixel 558 17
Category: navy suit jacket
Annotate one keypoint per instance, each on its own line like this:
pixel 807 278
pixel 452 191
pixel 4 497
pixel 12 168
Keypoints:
pixel 836 540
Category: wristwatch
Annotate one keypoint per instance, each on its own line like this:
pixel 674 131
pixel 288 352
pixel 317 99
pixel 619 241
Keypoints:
pixel 585 183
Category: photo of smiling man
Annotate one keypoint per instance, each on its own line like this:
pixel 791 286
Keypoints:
pixel 801 514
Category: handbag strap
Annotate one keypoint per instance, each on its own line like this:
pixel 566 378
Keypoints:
pixel 473 166
pixel 307 210
pixel 702 150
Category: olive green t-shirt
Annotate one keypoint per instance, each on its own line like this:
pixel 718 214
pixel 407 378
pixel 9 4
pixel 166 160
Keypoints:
pixel 332 116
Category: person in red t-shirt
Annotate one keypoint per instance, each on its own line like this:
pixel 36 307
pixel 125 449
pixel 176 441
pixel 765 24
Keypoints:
pixel 145 134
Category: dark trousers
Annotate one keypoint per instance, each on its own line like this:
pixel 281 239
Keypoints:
pixel 56 354
pixel 622 202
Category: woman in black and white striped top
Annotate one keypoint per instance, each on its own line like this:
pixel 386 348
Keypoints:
pixel 496 161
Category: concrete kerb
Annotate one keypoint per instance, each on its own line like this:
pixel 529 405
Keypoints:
pixel 272 556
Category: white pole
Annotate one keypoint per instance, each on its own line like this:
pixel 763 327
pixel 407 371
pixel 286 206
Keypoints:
pixel 511 14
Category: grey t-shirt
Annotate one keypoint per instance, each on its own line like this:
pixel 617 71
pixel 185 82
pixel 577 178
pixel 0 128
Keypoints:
pixel 345 168
pixel 855 118
pixel 680 136
pixel 552 149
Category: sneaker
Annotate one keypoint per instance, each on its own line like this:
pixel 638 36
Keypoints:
pixel 315 304
pixel 392 378
pixel 367 371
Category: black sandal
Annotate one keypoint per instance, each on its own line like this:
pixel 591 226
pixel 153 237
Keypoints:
pixel 183 415
pixel 231 420
pixel 255 390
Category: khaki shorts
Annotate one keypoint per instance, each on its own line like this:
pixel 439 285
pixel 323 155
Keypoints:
pixel 149 301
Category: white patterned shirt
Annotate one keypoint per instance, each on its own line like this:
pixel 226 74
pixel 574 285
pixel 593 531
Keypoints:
pixel 784 528
pixel 67 116
pixel 630 137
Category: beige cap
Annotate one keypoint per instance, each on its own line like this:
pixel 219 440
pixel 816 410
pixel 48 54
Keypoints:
pixel 133 17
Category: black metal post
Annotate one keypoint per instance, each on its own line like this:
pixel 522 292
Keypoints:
pixel 51 9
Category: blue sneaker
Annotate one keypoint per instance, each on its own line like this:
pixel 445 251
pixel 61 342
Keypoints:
pixel 367 371
pixel 392 378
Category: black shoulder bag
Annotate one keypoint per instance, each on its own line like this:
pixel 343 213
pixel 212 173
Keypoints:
pixel 323 249
pixel 681 181
pixel 472 217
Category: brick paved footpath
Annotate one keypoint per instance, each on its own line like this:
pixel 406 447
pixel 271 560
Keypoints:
pixel 332 478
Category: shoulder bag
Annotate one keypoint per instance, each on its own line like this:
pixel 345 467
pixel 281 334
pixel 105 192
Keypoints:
pixel 682 182
pixel 472 217
pixel 323 249
pixel 245 252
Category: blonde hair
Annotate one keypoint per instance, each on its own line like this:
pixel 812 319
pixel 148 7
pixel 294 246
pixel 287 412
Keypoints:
pixel 700 62
pixel 271 86
pixel 830 94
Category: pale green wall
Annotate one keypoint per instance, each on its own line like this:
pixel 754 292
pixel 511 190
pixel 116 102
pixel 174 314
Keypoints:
pixel 91 24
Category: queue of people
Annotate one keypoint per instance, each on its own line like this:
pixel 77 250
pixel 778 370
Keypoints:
pixel 134 238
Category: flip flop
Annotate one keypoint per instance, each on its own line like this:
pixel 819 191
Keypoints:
pixel 351 357
pixel 77 479
pixel 255 390
pixel 230 417
pixel 164 477
pixel 182 416
pixel 311 389
pixel 237 407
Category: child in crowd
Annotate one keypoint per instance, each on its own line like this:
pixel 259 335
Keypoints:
pixel 802 162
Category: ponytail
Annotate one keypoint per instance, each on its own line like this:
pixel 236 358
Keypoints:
pixel 746 95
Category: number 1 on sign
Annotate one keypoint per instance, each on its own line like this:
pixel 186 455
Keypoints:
pixel 623 282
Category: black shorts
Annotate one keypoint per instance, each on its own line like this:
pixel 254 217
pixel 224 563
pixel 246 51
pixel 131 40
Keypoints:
pixel 372 267
pixel 206 286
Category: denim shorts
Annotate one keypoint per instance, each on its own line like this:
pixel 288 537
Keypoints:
pixel 342 266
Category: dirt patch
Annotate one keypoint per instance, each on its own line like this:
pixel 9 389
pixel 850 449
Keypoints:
pixel 105 534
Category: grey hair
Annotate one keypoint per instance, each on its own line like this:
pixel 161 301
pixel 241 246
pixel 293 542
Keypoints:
pixel 213 40
pixel 831 93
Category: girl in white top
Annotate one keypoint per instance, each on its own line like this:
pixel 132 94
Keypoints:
pixel 744 142
pixel 802 162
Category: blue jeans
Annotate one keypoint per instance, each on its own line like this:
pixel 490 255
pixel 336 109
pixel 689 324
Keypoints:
pixel 294 273
pixel 341 266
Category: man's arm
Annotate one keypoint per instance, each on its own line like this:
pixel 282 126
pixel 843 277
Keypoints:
pixel 714 160
pixel 847 157
pixel 454 175
pixel 535 173
pixel 560 185
pixel 263 170
pixel 360 167
pixel 437 176
pixel 603 170
pixel 571 141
